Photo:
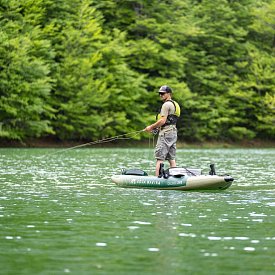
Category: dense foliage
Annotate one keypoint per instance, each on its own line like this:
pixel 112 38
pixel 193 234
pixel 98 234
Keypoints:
pixel 88 69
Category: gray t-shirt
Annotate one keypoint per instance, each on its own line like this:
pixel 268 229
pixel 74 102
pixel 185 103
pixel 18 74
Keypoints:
pixel 167 108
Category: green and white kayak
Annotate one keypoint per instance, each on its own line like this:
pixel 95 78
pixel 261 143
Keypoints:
pixel 202 182
pixel 180 181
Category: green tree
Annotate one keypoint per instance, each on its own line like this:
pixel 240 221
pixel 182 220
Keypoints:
pixel 212 55
pixel 96 93
pixel 24 72
pixel 200 48
pixel 86 69
pixel 152 31
pixel 253 95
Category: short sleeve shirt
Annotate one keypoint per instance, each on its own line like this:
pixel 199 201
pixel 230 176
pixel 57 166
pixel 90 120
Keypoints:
pixel 167 108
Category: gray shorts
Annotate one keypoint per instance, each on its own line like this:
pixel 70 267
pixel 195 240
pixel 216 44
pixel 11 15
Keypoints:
pixel 166 145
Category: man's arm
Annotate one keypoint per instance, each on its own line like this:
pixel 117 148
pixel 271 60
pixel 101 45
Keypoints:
pixel 157 124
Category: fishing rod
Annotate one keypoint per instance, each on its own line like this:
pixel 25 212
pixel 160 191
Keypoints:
pixel 105 140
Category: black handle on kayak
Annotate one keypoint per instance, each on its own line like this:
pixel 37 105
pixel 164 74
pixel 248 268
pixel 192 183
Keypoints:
pixel 161 170
pixel 212 169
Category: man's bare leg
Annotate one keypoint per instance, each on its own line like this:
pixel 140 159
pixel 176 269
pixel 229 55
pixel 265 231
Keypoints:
pixel 172 163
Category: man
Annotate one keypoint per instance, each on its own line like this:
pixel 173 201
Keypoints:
pixel 166 124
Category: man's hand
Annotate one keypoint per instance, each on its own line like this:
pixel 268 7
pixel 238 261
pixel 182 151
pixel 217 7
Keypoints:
pixel 156 125
pixel 149 129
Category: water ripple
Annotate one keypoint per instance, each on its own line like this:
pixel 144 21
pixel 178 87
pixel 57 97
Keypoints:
pixel 64 206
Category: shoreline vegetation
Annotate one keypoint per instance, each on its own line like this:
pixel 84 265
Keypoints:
pixel 145 143
pixel 79 70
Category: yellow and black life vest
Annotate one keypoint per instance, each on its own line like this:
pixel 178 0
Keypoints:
pixel 172 118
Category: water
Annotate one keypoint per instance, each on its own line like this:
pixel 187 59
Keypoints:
pixel 60 213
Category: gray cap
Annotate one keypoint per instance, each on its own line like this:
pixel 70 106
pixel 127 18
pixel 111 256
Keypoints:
pixel 165 89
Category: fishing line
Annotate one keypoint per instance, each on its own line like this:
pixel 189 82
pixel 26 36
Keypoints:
pixel 149 147
pixel 105 140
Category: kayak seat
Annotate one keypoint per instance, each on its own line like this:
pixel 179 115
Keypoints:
pixel 134 171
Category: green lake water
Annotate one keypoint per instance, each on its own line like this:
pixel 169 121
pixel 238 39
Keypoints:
pixel 60 213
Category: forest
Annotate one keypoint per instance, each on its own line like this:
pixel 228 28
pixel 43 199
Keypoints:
pixel 89 69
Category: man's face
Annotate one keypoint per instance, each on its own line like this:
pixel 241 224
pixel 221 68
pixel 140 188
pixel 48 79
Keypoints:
pixel 163 95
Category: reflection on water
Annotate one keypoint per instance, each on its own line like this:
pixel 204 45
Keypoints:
pixel 60 213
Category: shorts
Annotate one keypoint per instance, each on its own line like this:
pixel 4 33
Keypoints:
pixel 166 145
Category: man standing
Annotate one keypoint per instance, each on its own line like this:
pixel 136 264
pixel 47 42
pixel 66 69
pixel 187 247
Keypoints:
pixel 166 124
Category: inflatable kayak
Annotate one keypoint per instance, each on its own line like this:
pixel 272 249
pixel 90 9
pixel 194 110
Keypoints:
pixel 173 179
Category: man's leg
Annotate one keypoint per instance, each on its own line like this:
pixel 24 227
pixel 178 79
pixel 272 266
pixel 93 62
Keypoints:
pixel 171 155
pixel 159 161
pixel 172 163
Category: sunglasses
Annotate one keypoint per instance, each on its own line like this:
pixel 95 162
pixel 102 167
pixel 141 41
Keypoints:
pixel 161 94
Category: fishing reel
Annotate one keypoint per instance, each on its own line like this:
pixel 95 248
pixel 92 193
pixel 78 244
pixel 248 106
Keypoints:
pixel 155 131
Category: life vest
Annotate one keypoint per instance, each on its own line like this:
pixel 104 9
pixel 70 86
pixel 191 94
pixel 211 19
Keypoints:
pixel 172 118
